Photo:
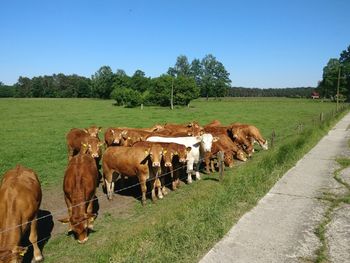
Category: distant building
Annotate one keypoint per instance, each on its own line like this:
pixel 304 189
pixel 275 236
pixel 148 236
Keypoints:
pixel 315 95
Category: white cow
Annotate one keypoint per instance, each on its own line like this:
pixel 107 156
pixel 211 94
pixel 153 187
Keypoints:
pixel 198 144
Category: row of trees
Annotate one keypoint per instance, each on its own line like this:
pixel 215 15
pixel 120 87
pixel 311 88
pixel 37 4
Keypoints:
pixel 207 77
pixel 336 75
pixel 302 92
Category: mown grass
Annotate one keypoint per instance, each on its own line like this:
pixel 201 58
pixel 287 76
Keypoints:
pixel 183 226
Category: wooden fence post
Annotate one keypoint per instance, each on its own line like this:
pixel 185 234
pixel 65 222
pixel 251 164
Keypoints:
pixel 141 106
pixel 273 135
pixel 321 117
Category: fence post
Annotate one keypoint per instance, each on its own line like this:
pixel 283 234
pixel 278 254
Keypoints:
pixel 273 135
pixel 321 117
pixel 141 106
pixel 221 165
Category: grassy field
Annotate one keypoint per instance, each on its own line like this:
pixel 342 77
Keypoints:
pixel 184 225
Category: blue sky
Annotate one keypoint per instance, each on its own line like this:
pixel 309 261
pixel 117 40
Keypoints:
pixel 266 44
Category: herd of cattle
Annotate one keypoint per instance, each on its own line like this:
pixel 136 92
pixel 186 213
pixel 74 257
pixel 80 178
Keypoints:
pixel 148 154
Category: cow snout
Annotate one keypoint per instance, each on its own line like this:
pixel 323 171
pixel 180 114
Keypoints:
pixel 156 164
pixel 83 241
pixel 168 164
pixel 94 155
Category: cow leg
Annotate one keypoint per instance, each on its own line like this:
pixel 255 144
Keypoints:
pixel 189 171
pixel 212 165
pixel 198 175
pixel 162 181
pixel 207 162
pixel 91 219
pixel 33 238
pixel 143 189
pixel 109 185
pixel 158 185
pixel 69 205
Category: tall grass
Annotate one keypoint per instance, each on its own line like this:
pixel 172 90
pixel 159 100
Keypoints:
pixel 183 226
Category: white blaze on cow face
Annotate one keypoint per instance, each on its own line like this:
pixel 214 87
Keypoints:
pixel 206 141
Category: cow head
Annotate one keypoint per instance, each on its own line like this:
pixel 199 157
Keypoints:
pixel 194 129
pixel 93 131
pixel 206 141
pixel 79 224
pixel 240 155
pixel 181 152
pixel 167 157
pixel 117 137
pixel 155 153
pixel 91 146
pixel 14 255
pixel 228 160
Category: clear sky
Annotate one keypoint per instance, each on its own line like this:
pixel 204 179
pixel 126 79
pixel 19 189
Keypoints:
pixel 262 43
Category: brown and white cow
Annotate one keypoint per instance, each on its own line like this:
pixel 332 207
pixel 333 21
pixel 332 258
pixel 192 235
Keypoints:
pixel 20 198
pixel 139 162
pixel 79 187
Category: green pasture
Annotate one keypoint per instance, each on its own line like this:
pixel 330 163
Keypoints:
pixel 183 226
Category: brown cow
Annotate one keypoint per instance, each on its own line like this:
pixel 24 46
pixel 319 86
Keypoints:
pixel 20 198
pixel 125 136
pixel 209 156
pixel 214 123
pixel 230 132
pixel 79 187
pixel 173 153
pixel 93 131
pixel 140 162
pixel 191 129
pixel 77 137
pixel 248 135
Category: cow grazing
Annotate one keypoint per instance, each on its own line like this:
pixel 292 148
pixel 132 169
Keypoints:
pixel 140 162
pixel 20 198
pixel 228 131
pixel 248 135
pixel 77 137
pixel 198 144
pixel 79 187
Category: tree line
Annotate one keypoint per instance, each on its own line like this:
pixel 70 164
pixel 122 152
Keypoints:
pixel 188 80
pixel 205 77
pixel 300 92
pixel 336 76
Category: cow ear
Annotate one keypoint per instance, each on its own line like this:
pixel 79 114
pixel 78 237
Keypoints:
pixel 112 131
pixel 64 220
pixel 85 130
pixel 84 144
pixel 146 152
pixel 165 151
pixel 188 149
